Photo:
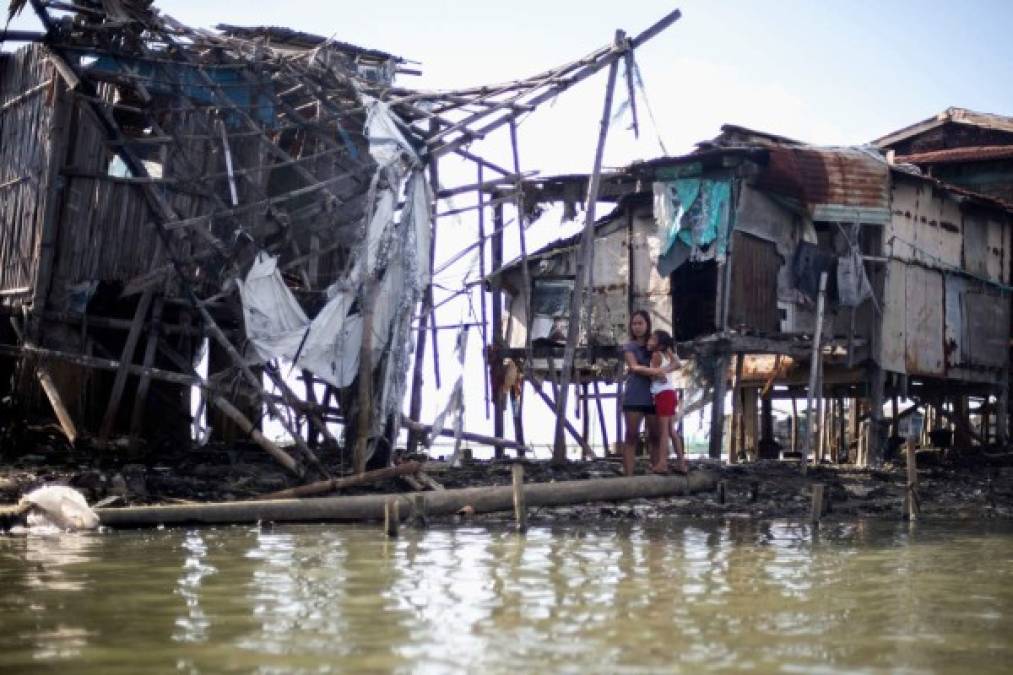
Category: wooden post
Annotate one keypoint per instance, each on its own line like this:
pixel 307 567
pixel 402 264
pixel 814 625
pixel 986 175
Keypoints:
pixel 737 432
pixel 912 502
pixel 1002 409
pixel 722 492
pixel 601 418
pixel 365 377
pixel 392 517
pixel 718 406
pixel 817 502
pixel 53 394
pixel 814 368
pixel 874 436
pixel 750 443
pixel 520 509
pixel 794 424
pixel 766 423
pixel 496 255
pixel 420 518
pixel 585 260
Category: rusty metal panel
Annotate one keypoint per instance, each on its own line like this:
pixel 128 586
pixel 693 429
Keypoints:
pixel 954 345
pixel 976 245
pixel 823 177
pixel 996 260
pixel 927 226
pixel 755 266
pixel 986 326
pixel 893 340
pixel 924 321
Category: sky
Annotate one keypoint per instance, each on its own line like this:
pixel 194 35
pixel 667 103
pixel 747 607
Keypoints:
pixel 829 72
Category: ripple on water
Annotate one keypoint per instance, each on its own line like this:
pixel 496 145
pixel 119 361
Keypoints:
pixel 658 596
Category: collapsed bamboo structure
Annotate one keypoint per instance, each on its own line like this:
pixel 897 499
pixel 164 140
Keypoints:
pixel 254 199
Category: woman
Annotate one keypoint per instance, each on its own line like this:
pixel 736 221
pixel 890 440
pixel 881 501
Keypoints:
pixel 637 402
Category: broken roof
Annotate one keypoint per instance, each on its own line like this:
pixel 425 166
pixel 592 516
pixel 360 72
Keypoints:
pixel 294 38
pixel 948 116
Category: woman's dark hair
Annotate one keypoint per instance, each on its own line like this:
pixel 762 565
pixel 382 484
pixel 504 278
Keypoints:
pixel 665 341
pixel 647 317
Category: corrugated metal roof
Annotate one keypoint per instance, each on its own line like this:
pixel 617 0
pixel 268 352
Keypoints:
pixel 830 181
pixel 978 153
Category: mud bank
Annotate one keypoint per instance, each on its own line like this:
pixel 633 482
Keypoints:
pixel 978 486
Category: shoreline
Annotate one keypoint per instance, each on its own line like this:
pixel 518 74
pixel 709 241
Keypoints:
pixel 978 486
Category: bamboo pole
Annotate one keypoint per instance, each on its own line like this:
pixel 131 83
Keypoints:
pixel 53 394
pixel 585 260
pixel 438 503
pixel 335 484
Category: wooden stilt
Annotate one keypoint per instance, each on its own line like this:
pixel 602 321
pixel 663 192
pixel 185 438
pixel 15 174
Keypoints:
pixel 392 517
pixel 912 502
pixel 520 508
pixel 601 418
pixel 814 366
pixel 496 255
pixel 574 434
pixel 794 424
pixel 816 514
pixel 874 439
pixel 737 434
pixel 717 424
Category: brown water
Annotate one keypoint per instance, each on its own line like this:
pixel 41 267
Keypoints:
pixel 661 596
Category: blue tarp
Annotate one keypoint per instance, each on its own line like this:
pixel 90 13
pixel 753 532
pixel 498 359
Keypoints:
pixel 172 79
pixel 692 215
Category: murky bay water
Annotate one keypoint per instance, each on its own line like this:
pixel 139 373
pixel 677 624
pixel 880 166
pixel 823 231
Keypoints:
pixel 660 596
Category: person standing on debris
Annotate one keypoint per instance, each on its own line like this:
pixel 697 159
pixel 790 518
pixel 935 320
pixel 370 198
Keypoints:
pixel 666 401
pixel 638 406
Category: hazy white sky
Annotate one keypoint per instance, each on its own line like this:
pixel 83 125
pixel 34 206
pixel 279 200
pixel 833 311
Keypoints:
pixel 827 72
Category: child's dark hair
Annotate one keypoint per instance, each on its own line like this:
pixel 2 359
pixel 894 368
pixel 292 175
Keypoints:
pixel 665 341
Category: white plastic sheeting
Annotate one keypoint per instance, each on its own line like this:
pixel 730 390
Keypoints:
pixel 277 326
pixel 394 253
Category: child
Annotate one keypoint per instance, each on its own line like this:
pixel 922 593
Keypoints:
pixel 663 357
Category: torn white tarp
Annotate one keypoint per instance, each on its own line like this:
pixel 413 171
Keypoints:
pixel 387 144
pixel 327 346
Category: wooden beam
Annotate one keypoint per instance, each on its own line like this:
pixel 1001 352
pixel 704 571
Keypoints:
pixel 126 358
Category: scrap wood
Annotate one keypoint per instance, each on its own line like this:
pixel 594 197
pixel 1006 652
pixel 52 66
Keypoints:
pixel 325 486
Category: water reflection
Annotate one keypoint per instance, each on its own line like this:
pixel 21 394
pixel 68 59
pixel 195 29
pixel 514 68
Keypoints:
pixel 656 596
pixel 193 627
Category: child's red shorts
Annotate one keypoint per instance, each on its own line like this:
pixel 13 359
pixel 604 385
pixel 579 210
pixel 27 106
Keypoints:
pixel 665 403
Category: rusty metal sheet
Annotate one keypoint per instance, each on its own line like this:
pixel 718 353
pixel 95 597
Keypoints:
pixel 953 345
pixel 924 322
pixel 927 226
pixel 893 339
pixel 821 177
pixel 996 258
pixel 986 326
